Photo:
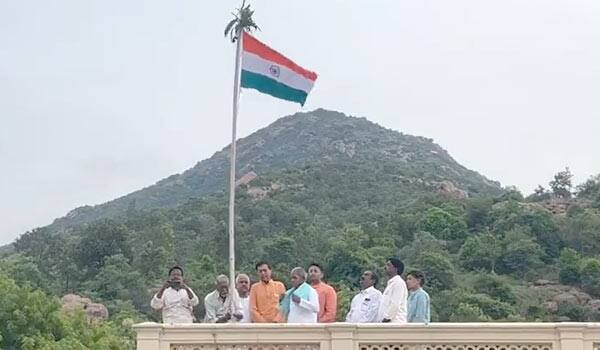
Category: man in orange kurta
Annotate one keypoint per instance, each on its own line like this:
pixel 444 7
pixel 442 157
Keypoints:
pixel 265 295
pixel 327 295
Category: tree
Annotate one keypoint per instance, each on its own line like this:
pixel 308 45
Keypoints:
pixel 521 253
pixel 535 222
pixel 99 240
pixel 481 252
pixel 478 213
pixel 511 193
pixel 62 264
pixel 542 225
pixel 345 293
pixel 590 276
pixel 589 188
pixel 539 191
pixel 466 312
pixel 492 308
pixel 116 280
pixel 352 252
pixel 21 268
pixel 539 194
pixel 282 250
pixel 403 227
pixel 242 21
pixel 152 260
pixel 443 225
pixel 423 242
pixel 495 287
pixel 575 313
pixel 29 319
pixel 439 271
pixel 25 313
pixel 570 267
pixel 561 185
pixel 35 244
pixel 582 231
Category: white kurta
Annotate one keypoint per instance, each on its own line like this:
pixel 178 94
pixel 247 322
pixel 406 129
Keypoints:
pixel 365 306
pixel 176 306
pixel 306 311
pixel 215 307
pixel 245 309
pixel 394 304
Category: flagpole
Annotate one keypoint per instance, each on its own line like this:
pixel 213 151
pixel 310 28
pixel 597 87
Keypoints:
pixel 232 155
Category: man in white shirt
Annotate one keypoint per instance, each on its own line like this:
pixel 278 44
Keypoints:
pixel 219 305
pixel 175 299
pixel 365 305
pixel 394 304
pixel 301 302
pixel 242 285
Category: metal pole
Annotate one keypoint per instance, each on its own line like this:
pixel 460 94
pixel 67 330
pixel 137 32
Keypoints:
pixel 236 98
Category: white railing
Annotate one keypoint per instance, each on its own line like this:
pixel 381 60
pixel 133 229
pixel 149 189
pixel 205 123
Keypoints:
pixel 347 336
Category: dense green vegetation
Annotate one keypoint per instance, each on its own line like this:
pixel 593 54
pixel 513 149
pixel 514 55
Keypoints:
pixel 31 320
pixel 348 210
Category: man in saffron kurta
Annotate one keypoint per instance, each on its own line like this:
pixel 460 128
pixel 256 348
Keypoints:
pixel 265 296
pixel 327 295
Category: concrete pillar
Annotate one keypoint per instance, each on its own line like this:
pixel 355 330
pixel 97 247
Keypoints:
pixel 148 336
pixel 342 337
pixel 571 336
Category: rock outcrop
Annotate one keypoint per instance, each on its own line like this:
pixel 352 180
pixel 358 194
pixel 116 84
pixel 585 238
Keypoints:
pixel 447 188
pixel 95 312
pixel 559 295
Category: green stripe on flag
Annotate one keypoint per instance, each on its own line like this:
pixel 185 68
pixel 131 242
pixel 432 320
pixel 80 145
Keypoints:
pixel 272 87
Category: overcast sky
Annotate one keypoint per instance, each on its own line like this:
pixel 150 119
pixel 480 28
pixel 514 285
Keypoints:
pixel 101 98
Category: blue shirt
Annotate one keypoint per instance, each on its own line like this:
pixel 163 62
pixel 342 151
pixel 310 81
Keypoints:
pixel 418 306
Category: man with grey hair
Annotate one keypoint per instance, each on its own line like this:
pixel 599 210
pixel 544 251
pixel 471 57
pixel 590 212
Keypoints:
pixel 300 303
pixel 218 304
pixel 242 285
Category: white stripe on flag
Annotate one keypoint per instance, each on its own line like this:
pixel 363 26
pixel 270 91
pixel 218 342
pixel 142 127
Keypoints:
pixel 256 64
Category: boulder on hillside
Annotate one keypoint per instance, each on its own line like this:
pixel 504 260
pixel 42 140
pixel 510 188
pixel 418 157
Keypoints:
pixel 565 298
pixel 260 193
pixel 447 188
pixel 73 302
pixel 594 304
pixel 558 206
pixel 544 283
pixel 573 296
pixel 550 306
pixel 246 179
pixel 582 297
pixel 95 312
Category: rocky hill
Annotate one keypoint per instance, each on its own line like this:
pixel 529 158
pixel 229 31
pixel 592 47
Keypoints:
pixel 315 139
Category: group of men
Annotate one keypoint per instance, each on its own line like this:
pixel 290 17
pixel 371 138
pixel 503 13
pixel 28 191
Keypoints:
pixel 309 300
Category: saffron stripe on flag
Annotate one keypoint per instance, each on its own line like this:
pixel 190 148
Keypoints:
pixel 256 47
pixel 272 87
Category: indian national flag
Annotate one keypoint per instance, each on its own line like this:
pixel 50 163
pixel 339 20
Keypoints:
pixel 268 71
